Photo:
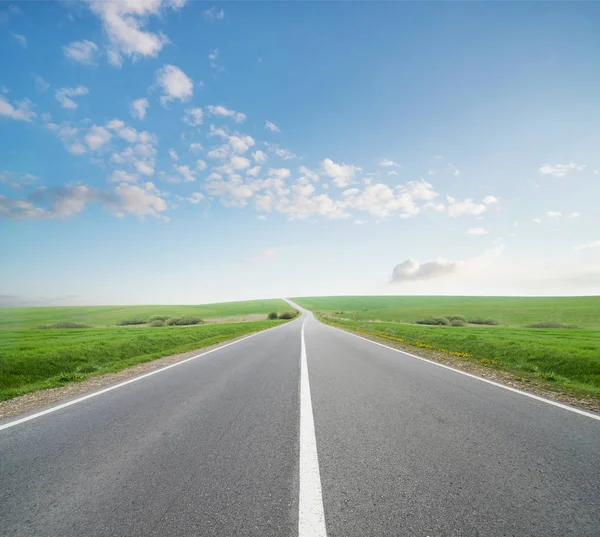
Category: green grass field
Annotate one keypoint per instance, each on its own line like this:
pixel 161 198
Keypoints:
pixel 509 311
pixel 16 318
pixel 32 359
pixel 568 359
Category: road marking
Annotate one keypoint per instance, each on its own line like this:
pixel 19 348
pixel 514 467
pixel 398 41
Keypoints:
pixel 125 383
pixel 311 516
pixel 497 384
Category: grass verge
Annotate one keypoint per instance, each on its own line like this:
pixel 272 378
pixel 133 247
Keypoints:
pixel 33 360
pixel 565 361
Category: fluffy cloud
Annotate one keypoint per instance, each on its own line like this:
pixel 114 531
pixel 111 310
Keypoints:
pixel 64 96
pixel 221 111
pixel 279 173
pixel 81 51
pixel 282 153
pixel 40 84
pixel 137 200
pixel 466 207
pixel 386 163
pixel 477 231
pixel 553 214
pixel 193 116
pixel 260 157
pixel 213 56
pixel 239 163
pixel 19 110
pixel 139 108
pixel 342 174
pixel 413 270
pixel 120 176
pixel 173 154
pixel 124 24
pixel 187 174
pixel 97 137
pixel 174 83
pixel 271 127
pixel 490 200
pixel 213 14
pixel 196 197
pixel 196 147
pixel 587 245
pixel 380 200
pixel 560 170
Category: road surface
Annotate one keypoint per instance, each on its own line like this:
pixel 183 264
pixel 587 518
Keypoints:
pixel 302 430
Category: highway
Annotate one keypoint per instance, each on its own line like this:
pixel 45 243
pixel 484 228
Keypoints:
pixel 302 430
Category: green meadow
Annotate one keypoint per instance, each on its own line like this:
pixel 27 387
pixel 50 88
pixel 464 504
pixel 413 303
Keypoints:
pixel 32 359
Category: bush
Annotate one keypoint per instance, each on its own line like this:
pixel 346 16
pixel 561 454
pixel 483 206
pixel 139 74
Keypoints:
pixel 440 321
pixel 156 323
pixel 551 325
pixel 272 315
pixel 64 325
pixel 127 322
pixel 481 320
pixel 457 322
pixel 288 314
pixel 184 321
pixel 456 318
pixel 159 318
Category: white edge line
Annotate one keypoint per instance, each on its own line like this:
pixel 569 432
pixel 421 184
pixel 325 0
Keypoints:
pixel 125 383
pixel 497 384
pixel 311 514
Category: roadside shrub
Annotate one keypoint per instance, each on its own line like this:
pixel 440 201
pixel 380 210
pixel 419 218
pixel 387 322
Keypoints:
pixel 439 321
pixel 481 320
pixel 272 315
pixel 64 325
pixel 457 322
pixel 456 318
pixel 128 322
pixel 184 321
pixel 159 318
pixel 550 325
pixel 288 314
pixel 156 323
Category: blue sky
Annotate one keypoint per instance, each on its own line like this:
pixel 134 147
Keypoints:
pixel 163 151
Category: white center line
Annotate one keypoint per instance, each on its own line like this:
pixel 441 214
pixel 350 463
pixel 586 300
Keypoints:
pixel 311 516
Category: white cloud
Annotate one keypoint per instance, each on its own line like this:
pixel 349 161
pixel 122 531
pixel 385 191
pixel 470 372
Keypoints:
pixel 21 39
pixel 455 170
pixel 124 23
pixel 477 231
pixel 279 173
pixel 196 197
pixel 213 56
pixel 40 84
pixel 386 163
pixel 342 174
pixel 114 58
pixel 560 170
pixel 260 157
pixel 413 270
pixel 175 84
pixel 213 14
pixel 201 165
pixel 221 111
pixel 120 176
pixel 196 147
pixel 97 137
pixel 587 245
pixel 76 149
pixel 138 200
pixel 271 126
pixel 173 154
pixel 421 190
pixel 467 207
pixel 193 116
pixel 19 110
pixel 380 200
pixel 81 52
pixel 139 108
pixel 186 173
pixel 282 153
pixel 553 214
pixel 253 172
pixel 241 144
pixel 308 173
pixel 573 215
pixel 64 96
pixel 239 163
pixel 489 200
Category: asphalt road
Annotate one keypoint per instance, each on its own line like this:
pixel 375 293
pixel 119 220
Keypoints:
pixel 224 445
